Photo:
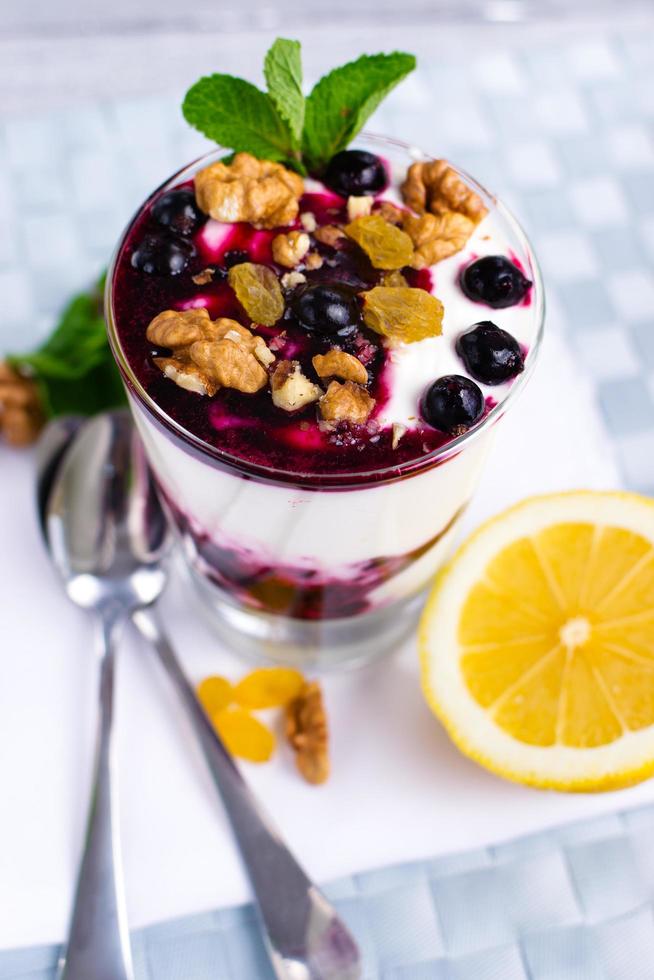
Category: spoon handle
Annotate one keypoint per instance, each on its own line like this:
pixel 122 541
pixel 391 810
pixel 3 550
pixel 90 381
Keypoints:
pixel 305 938
pixel 98 939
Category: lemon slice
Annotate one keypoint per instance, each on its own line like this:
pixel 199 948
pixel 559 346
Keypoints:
pixel 537 642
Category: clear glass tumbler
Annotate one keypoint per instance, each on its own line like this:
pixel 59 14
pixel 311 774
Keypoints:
pixel 312 568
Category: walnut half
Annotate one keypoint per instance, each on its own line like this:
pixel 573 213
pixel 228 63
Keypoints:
pixel 259 191
pixel 436 187
pixel 337 364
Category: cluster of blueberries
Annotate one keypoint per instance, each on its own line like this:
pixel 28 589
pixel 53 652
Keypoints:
pixel 491 355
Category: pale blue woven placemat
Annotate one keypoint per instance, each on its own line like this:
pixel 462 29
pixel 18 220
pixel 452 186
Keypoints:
pixel 565 133
pixel 575 903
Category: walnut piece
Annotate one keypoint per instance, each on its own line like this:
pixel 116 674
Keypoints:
pixel 209 354
pixel 358 207
pixel 308 734
pixel 313 261
pixel 291 389
pixel 230 364
pixel 397 433
pixel 308 221
pixel 288 249
pixel 329 235
pixel 259 191
pixel 21 415
pixel 187 375
pixel 390 212
pixel 436 187
pixel 292 279
pixel 347 402
pixel 337 364
pixel 436 237
pixel 203 277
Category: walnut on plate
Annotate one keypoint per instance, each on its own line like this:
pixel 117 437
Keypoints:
pixel 436 236
pixel 308 734
pixel 21 415
pixel 261 192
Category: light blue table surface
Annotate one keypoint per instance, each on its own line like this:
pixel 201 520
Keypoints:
pixel 565 133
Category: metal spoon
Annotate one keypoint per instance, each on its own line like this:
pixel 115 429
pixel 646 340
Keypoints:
pixel 305 938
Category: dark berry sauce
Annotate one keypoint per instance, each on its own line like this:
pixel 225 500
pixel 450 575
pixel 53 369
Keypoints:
pixel 250 427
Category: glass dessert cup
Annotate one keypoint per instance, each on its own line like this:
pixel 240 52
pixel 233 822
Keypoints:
pixel 316 568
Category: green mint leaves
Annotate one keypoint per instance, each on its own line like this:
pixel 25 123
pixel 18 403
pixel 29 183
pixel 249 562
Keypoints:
pixel 281 124
pixel 74 369
pixel 282 70
pixel 342 102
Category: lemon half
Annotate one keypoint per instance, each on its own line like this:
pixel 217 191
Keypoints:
pixel 537 642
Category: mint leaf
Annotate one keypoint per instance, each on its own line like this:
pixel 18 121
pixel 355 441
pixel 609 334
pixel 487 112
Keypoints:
pixel 343 100
pixel 239 116
pixel 283 73
pixel 74 368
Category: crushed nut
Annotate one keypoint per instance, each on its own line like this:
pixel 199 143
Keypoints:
pixel 329 235
pixel 230 364
pixel 259 191
pixel 289 248
pixel 308 221
pixel 347 402
pixel 436 237
pixel 21 415
pixel 292 279
pixel 313 261
pixel 436 187
pixel 187 375
pixel 291 389
pixel 307 733
pixel 203 277
pixel 337 364
pixel 390 212
pixel 398 431
pixel 357 207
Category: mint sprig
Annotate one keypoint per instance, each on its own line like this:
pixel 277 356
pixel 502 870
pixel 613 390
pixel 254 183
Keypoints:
pixel 342 102
pixel 282 70
pixel 74 369
pixel 281 124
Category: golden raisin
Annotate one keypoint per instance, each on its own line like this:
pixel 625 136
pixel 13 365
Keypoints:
pixel 214 694
pixel 402 313
pixel 387 246
pixel 268 687
pixel 258 291
pixel 244 735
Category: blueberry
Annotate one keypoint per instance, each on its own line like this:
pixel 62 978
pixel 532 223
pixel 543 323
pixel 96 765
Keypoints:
pixel 178 211
pixel 328 309
pixel 355 172
pixel 452 404
pixel 235 256
pixel 490 354
pixel 494 280
pixel 161 255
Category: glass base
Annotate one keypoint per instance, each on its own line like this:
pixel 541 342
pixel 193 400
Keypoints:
pixel 320 644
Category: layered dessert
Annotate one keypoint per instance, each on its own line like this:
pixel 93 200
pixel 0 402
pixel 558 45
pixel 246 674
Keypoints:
pixel 315 366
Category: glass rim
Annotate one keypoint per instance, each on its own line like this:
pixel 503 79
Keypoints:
pixel 346 479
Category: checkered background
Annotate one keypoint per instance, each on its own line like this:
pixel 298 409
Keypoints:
pixel 565 133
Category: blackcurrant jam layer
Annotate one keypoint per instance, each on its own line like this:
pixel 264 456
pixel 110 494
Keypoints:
pixel 250 427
